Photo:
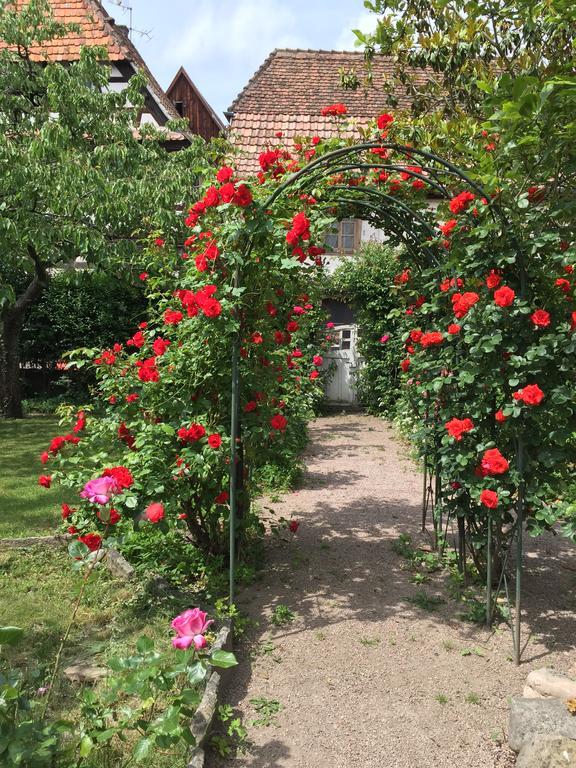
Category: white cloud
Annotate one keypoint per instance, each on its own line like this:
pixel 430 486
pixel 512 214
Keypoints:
pixel 366 22
pixel 240 33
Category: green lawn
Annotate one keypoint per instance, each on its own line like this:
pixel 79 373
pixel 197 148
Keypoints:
pixel 27 509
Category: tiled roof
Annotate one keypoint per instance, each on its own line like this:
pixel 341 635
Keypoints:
pixel 97 28
pixel 289 90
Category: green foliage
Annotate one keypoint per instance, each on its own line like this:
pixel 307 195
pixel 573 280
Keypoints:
pixel 282 616
pixel 427 602
pixel 267 709
pixel 366 281
pixel 81 309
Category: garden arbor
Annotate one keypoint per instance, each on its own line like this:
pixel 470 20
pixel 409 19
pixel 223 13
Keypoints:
pixel 369 181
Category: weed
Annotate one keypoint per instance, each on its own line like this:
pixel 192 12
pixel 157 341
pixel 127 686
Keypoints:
pixel 448 645
pixel 419 578
pixel 370 642
pixel 472 698
pixel 402 546
pixel 235 739
pixel 282 616
pixel 320 635
pixel 267 709
pixel 441 698
pixel 426 602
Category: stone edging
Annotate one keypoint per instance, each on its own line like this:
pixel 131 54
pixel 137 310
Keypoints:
pixel 202 721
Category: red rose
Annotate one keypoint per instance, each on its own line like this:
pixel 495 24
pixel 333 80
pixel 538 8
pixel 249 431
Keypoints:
pixel 125 435
pixel 293 526
pixel 211 198
pixel 214 441
pixel 292 326
pixel 224 174
pixel 461 202
pixel 458 427
pixel 462 302
pixel 383 121
pixel 227 192
pixel 448 226
pixel 318 360
pixel 143 276
pixel 132 398
pixel 147 370
pixel 122 475
pixel 44 457
pixel 416 335
pixel 453 329
pixel 499 416
pixel 138 340
pixel 489 499
pixel 313 375
pixel 45 481
pixel 493 280
pixel 92 540
pixel 154 512
pixel 493 463
pixel 222 498
pixel 243 196
pixel 431 339
pixel 540 318
pixel 405 364
pixel 172 316
pixel 504 296
pixel 250 406
pixel 67 510
pixel 530 395
pixel 278 421
pixel 111 517
pixel 160 346
pixel 563 284
pixel 192 433
pixel 334 110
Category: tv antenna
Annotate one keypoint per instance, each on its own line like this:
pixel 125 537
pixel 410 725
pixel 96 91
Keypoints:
pixel 127 8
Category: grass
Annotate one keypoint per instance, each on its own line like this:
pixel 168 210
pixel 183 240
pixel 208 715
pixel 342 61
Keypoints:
pixel 282 616
pixel 27 509
pixel 38 589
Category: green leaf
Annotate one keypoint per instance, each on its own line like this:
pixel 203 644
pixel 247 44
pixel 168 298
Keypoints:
pixel 10 635
pixel 144 644
pixel 78 549
pixel 86 746
pixel 223 659
pixel 142 749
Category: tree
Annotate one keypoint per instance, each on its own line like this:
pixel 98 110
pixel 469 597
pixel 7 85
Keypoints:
pixel 76 181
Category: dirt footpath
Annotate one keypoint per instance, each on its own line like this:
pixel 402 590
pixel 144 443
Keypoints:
pixel 364 677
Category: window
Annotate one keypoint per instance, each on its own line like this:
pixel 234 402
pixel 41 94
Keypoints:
pixel 343 237
pixel 179 107
pixel 341 338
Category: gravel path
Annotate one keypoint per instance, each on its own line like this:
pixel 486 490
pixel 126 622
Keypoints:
pixel 365 678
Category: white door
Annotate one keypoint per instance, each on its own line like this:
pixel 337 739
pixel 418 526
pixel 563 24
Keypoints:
pixel 343 363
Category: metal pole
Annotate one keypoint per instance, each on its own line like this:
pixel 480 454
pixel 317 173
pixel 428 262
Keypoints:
pixel 234 435
pixel 425 495
pixel 519 551
pixel 489 574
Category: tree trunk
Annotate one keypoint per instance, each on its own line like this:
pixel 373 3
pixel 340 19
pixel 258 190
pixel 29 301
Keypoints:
pixel 11 322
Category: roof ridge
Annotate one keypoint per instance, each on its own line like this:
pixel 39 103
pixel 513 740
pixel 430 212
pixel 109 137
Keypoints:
pixel 182 71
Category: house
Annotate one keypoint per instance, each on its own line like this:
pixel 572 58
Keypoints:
pixel 98 28
pixel 190 104
pixel 285 98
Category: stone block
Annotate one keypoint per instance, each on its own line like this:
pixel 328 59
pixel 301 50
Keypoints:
pixel 547 751
pixel 531 716
pixel 548 682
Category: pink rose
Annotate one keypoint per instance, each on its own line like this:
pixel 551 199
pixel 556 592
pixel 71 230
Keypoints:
pixel 154 512
pixel 384 339
pixel 190 627
pixel 317 359
pixel 100 490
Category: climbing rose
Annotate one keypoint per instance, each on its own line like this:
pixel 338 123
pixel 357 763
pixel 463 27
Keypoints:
pixel 172 316
pixel 190 627
pixel 334 110
pixel 448 226
pixel 154 512
pixel 383 121
pixel 504 296
pixel 214 441
pixel 530 395
pixel 462 302
pixel 66 511
pixel 499 416
pixel 92 541
pixel 192 433
pixel 461 202
pixel 313 375
pixel 44 457
pixel 489 499
pixel 540 318
pixel 160 346
pixel 493 463
pixel 222 498
pixel 224 174
pixel 243 196
pixel 45 481
pixel 563 284
pixel 432 338
pixel 453 329
pixel 405 364
pixel 147 370
pixel 278 421
pixel 493 280
pixel 317 359
pixel 416 335
pixel 121 475
pixel 458 427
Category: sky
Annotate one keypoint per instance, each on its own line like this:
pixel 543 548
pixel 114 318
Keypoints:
pixel 221 43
